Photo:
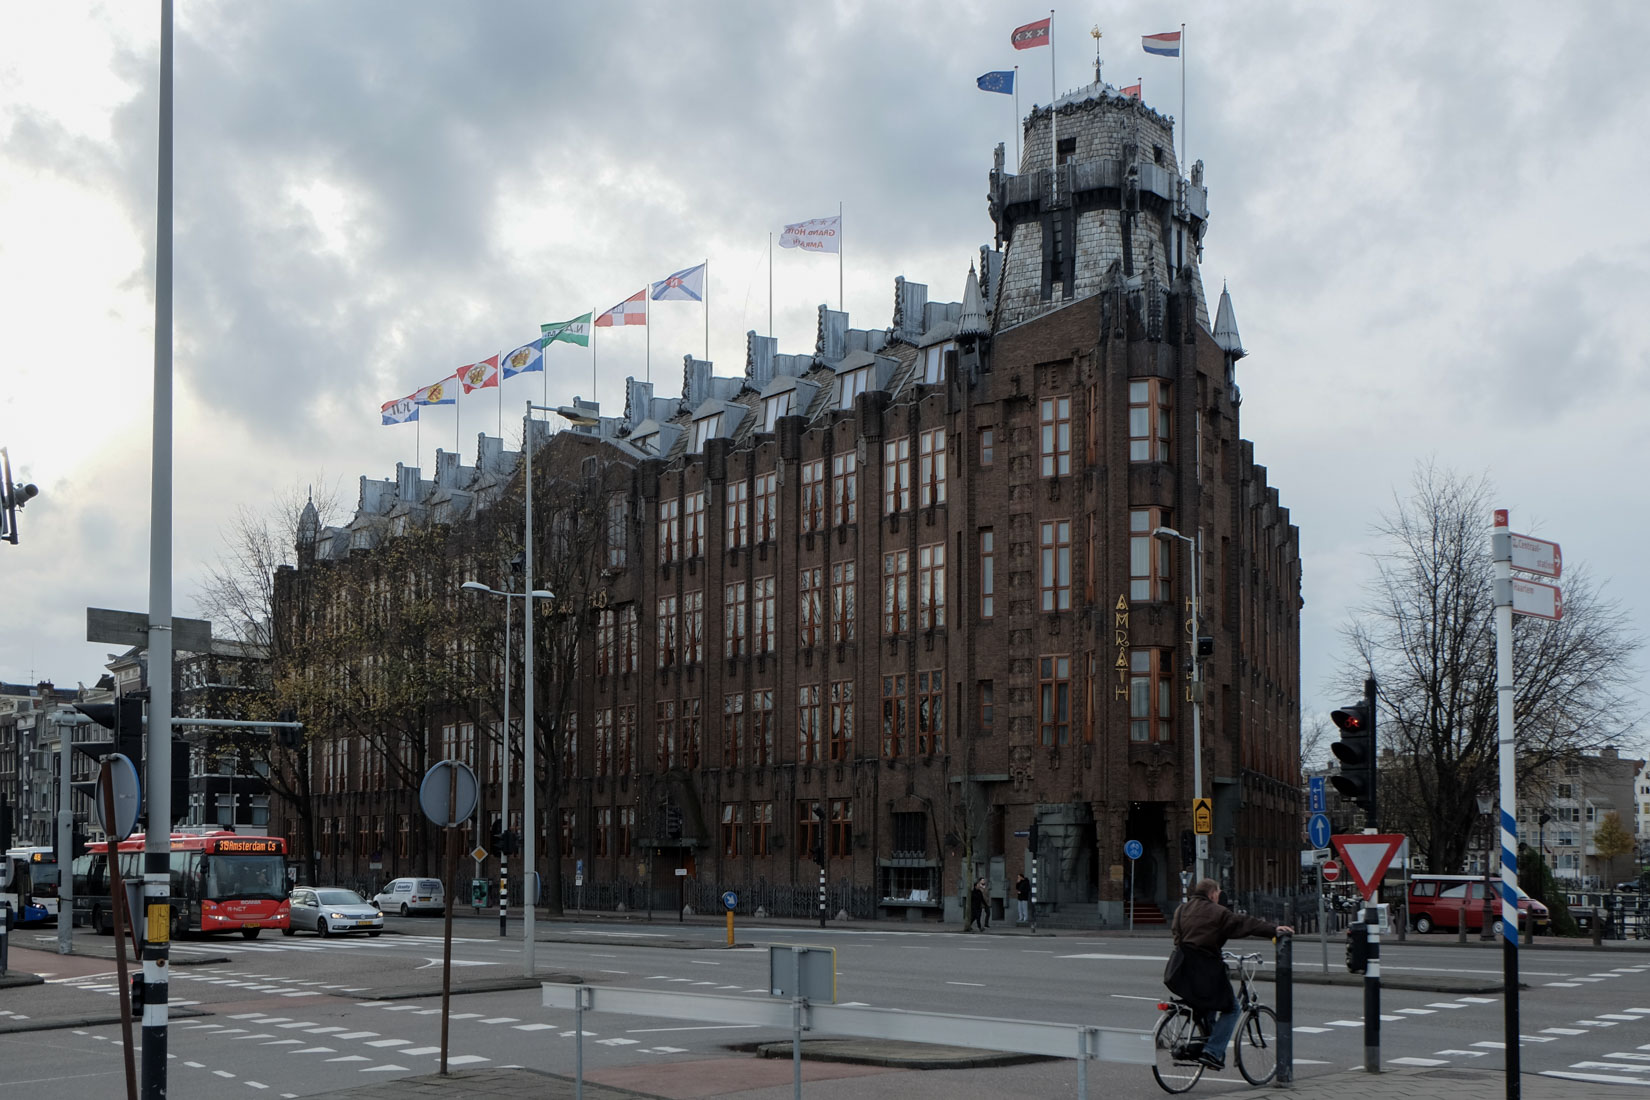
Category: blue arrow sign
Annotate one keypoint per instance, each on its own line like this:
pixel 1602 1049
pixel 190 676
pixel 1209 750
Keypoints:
pixel 1317 830
pixel 1315 795
pixel 1133 849
pixel 730 901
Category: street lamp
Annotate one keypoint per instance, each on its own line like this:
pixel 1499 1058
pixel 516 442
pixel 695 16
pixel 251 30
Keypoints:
pixel 1196 548
pixel 504 784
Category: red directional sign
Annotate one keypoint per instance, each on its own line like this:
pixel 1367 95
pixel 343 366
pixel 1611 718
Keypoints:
pixel 1331 871
pixel 1537 556
pixel 1367 856
pixel 1544 601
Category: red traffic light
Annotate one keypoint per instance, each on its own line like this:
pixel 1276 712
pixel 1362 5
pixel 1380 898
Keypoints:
pixel 1352 719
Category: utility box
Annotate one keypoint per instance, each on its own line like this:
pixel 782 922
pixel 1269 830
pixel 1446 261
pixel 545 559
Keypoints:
pixel 806 972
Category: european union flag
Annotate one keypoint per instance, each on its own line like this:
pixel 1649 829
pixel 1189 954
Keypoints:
pixel 997 82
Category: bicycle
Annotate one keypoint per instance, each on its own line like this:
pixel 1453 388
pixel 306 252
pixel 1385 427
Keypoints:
pixel 1180 1034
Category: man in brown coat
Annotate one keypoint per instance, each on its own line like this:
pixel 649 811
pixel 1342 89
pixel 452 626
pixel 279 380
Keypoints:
pixel 1201 928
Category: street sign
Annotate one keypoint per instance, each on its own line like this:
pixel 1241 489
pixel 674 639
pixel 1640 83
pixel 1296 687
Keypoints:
pixel 730 901
pixel 132 628
pixel 1331 871
pixel 1537 556
pixel 1544 601
pixel 1367 857
pixel 1314 789
pixel 1022 832
pixel 1133 849
pixel 436 791
pixel 121 773
pixel 1203 816
pixel 479 854
pixel 1317 830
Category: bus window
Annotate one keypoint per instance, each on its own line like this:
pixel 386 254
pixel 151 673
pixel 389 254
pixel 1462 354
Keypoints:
pixel 249 876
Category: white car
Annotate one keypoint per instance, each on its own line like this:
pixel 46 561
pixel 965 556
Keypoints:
pixel 412 895
pixel 330 910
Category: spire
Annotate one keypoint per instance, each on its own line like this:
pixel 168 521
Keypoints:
pixel 972 322
pixel 1226 330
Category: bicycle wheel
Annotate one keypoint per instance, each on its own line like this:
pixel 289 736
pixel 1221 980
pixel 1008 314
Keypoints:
pixel 1257 1045
pixel 1174 1070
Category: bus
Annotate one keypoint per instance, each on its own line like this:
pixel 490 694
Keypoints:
pixel 29 881
pixel 221 882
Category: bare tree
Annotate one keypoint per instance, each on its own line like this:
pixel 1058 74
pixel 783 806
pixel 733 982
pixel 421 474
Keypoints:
pixel 1428 632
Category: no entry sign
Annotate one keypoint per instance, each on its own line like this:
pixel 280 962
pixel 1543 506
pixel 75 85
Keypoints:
pixel 1331 871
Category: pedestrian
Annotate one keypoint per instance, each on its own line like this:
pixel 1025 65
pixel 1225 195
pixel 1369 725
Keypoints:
pixel 1197 974
pixel 1022 894
pixel 977 906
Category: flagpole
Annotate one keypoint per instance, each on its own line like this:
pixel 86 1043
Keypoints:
pixel 592 362
pixel 647 323
pixel 458 402
pixel 1182 97
pixel 1016 118
pixel 839 305
pixel 501 393
pixel 1053 123
pixel 770 284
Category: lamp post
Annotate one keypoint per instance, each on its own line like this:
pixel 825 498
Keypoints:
pixel 1195 545
pixel 1486 804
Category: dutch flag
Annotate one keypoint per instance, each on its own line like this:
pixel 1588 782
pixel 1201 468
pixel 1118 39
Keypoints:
pixel 1163 45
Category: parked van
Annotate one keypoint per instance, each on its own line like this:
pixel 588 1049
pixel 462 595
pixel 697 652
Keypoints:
pixel 1447 901
pixel 411 895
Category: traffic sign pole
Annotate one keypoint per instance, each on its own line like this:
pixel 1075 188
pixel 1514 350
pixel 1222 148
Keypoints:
pixel 1501 551
pixel 1323 926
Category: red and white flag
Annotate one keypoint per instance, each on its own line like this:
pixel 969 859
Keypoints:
pixel 1030 35
pixel 478 376
pixel 1132 91
pixel 631 311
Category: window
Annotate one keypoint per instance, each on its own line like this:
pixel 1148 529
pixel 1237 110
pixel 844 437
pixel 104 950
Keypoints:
pixel 738 514
pixel 606 632
pixel 1055 692
pixel 1151 695
pixel 931 467
pixel 896 592
pixel 842 720
pixel 939 363
pixel 568 819
pixel 807 724
pixel 1066 148
pixel 735 609
pixel 670 531
pixel 762 628
pixel 693 732
pixel 842 601
pixel 664 724
pixel 988 446
pixel 844 490
pixel 813 495
pixel 693 620
pixel 988 707
pixel 931 586
pixel 1056 543
pixel 842 826
pixel 767 506
pixel 809 817
pixel 775 407
pixel 896 475
pixel 625 754
pixel 705 429
pixel 1564 790
pixel 1056 436
pixel 733 823
pixel 617 538
pixel 1150 417
pixel 667 631
pixel 910 834
pixel 1148 556
pixel 629 639
pixel 604 828
pixel 930 712
pixel 762 727
pixel 696 524
pixel 761 828
pixel 988 573
pixel 733 729
pixel 893 717
pixel 811 612
pixel 850 385
pixel 604 741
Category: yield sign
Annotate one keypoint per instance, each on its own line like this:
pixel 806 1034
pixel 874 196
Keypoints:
pixel 1367 856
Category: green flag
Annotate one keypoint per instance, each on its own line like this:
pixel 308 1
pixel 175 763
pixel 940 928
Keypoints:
pixel 576 331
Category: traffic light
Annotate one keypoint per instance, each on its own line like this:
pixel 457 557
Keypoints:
pixel 1032 837
pixel 180 781
pixel 1356 752
pixel 77 844
pixel 1188 849
pixel 495 835
pixel 1357 947
pixel 124 718
pixel 12 497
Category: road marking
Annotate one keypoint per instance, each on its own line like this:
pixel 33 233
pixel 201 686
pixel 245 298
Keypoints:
pixel 618 1042
pixel 323 1030
pixel 256 1085
pixel 300 1023
pixel 351 1058
pixel 1309 1031
pixel 466 1059
pixel 1601 1077
pixel 1596 1023
pixel 1477 1000
pixel 284 1043
pixel 503 1020
pixel 390 1043
pixel 535 1027
pixel 384 1069
pixel 1416 1011
pixel 1134 997
pixel 1418 1061
pixel 411 1051
pixel 1629 1056
pixel 696 1027
pixel 464 1016
pixel 1563 985
pixel 977 985
pixel 1463 1053
pixel 1616 1016
pixel 1444 1004
pixel 315 1050
pixel 1344 1023
pixel 224 1073
pixel 358 1035
pixel 1565 1030
pixel 1611 1065
pixel 1490 1044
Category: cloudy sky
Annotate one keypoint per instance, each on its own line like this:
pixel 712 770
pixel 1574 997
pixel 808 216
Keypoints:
pixel 1428 216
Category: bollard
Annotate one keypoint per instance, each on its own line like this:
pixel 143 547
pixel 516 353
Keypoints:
pixel 1284 988
pixel 1598 928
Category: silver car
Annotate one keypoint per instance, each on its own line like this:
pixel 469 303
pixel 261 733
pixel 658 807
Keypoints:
pixel 331 909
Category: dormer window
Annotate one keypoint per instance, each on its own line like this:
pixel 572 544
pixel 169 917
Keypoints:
pixel 850 384
pixel 775 407
pixel 704 429
pixel 938 362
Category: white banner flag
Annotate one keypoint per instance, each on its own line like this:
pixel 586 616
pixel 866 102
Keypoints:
pixel 818 235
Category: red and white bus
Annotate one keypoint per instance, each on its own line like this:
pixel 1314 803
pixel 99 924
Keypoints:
pixel 221 882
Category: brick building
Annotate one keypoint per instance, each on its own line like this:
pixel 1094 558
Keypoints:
pixel 903 588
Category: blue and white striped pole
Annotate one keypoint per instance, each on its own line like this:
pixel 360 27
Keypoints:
pixel 1501 554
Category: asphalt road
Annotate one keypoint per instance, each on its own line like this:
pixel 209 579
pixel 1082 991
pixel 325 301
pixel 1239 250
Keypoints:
pixel 298 1016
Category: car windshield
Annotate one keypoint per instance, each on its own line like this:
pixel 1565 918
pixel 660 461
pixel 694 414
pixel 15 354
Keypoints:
pixel 340 897
pixel 246 877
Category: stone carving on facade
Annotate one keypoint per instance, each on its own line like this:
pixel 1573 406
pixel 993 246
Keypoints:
pixel 1021 771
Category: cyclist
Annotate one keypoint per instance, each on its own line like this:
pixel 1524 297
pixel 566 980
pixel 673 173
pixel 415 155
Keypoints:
pixel 1201 928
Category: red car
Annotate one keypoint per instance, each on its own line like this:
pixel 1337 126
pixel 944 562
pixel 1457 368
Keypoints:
pixel 1448 901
